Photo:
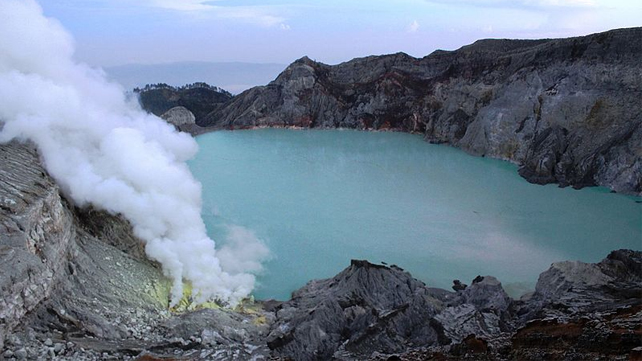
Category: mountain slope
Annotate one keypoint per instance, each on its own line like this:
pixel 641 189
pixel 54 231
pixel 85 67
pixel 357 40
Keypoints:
pixel 568 111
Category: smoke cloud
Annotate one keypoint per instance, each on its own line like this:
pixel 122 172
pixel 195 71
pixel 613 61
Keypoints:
pixel 243 251
pixel 102 149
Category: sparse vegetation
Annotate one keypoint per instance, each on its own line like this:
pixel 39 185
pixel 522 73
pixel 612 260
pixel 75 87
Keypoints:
pixel 196 85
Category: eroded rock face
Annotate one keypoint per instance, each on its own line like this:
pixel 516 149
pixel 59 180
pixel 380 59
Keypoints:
pixel 370 308
pixel 37 229
pixel 565 110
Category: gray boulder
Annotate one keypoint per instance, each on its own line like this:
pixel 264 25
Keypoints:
pixel 179 116
pixel 483 310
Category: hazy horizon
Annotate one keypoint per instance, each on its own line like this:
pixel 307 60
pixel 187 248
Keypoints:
pixel 118 32
pixel 234 77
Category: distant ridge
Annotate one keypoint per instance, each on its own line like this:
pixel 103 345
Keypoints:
pixel 232 76
pixel 566 111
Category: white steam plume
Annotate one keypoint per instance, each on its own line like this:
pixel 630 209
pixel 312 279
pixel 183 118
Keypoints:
pixel 104 150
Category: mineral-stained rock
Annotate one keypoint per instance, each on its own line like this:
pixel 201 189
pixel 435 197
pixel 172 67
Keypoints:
pixel 230 333
pixel 594 336
pixel 470 345
pixel 565 110
pixel 584 311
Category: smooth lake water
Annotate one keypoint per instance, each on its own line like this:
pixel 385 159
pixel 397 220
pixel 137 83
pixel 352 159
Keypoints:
pixel 319 198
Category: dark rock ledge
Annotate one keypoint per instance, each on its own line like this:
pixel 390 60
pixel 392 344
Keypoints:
pixel 74 285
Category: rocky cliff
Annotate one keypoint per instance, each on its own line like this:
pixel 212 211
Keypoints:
pixel 75 285
pixel 568 111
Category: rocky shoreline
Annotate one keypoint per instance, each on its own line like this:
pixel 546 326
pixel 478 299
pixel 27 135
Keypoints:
pixel 564 110
pixel 75 285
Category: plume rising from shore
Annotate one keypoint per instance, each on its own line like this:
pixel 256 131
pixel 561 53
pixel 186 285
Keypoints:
pixel 103 150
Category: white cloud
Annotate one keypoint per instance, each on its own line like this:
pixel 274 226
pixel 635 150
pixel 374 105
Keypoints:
pixel 259 15
pixel 285 26
pixel 413 27
pixel 539 4
pixel 252 14
pixel 243 251
pixel 182 5
pixel 560 3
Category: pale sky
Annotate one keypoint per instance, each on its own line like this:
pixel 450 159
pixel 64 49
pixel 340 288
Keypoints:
pixel 116 32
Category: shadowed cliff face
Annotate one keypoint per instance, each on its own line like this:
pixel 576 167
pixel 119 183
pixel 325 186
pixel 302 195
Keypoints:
pixel 568 111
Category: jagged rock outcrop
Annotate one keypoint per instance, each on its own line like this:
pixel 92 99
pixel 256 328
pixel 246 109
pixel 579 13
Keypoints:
pixel 483 309
pixel 572 287
pixel 568 111
pixel 366 307
pixel 584 311
pixel 368 311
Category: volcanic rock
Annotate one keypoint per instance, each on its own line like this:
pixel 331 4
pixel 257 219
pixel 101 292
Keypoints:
pixel 368 309
pixel 566 111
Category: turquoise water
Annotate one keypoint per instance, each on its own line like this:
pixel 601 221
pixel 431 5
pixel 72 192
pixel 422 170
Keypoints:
pixel 320 198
